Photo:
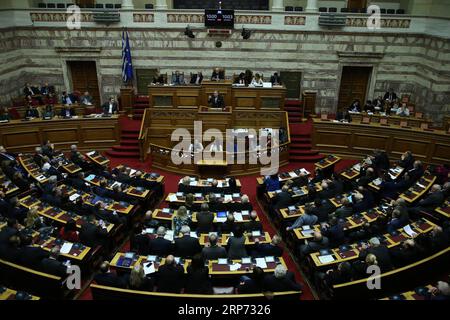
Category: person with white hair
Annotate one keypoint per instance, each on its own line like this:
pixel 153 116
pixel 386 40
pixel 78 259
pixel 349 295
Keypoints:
pixel 380 251
pixel 268 249
pixel 280 280
pixel 440 292
pixel 186 246
pixel 160 246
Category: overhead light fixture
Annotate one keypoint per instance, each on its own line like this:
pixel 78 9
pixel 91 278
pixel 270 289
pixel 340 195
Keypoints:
pixel 246 33
pixel 188 32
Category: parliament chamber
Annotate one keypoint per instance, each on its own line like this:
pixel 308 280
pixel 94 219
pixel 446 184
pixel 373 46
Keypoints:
pixel 224 152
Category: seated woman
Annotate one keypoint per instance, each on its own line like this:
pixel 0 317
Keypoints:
pixel 180 219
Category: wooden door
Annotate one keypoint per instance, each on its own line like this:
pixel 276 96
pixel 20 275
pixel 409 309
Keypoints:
pixel 354 82
pixel 292 81
pixel 84 78
pixel 356 4
pixel 144 77
pixel 85 3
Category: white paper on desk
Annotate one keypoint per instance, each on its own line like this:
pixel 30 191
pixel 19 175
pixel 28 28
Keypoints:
pixel 307 233
pixel 326 259
pixel 132 172
pixel 392 176
pixel 166 210
pixel 90 153
pixel 235 266
pixel 292 208
pixel 245 212
pixel 117 183
pixel 179 194
pixel 306 227
pixel 409 231
pixel 236 195
pixel 193 183
pixel 66 247
pixel 169 235
pixel 303 170
pixel 377 181
pixel 292 174
pixel 357 167
pixel 261 262
pixel 149 230
pixel 149 268
pixel 238 217
pixel 421 185
pixel 74 197
pixel 223 219
pixel 173 197
pixel 193 234
pixel 198 195
pixel 219 184
pixel 40 178
pixel 228 197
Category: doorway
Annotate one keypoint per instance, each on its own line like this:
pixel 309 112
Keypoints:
pixel 292 81
pixel 356 4
pixel 84 78
pixel 354 83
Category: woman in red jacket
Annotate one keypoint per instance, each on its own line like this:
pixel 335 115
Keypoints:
pixel 69 232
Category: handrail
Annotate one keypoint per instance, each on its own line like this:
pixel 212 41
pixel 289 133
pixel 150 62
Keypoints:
pixel 144 118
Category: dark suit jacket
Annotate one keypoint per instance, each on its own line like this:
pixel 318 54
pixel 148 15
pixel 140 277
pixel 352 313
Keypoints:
pixel 197 281
pixel 187 246
pixel 266 250
pixel 214 253
pixel 432 200
pixel 282 200
pixel 393 96
pixel 105 107
pixel 278 285
pixel 276 79
pixel 253 226
pixel 92 235
pixel 32 113
pixel 160 247
pixel 205 222
pixel 32 256
pixel 194 78
pixel 170 278
pixel 109 279
pixel 70 113
pixel 219 74
pixel 9 253
pixel 54 267
pixel 382 254
pixel 216 102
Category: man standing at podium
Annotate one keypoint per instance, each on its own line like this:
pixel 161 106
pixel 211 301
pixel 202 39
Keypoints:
pixel 216 101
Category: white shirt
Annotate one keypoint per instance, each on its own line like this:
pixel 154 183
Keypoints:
pixel 404 112
pixel 110 110
pixel 198 147
pixel 216 148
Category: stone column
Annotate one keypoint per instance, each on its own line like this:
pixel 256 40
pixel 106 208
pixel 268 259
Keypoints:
pixel 161 5
pixel 311 6
pixel 277 5
pixel 127 4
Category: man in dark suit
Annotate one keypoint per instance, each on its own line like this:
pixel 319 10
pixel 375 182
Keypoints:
pixel 48 90
pixel 334 231
pixel 9 230
pixel 281 280
pixel 217 75
pixel 380 251
pixel 170 276
pixel 406 160
pixel 93 235
pixel 212 251
pixel 110 107
pixel 282 199
pixel 253 224
pixel 51 265
pixel 107 278
pixel 186 246
pixel 434 199
pixel 275 79
pixel 10 251
pixel 205 219
pixel 268 249
pixel 197 78
pixel 31 112
pixel 159 246
pixel 66 99
pixel 30 91
pixel 216 100
pixel 67 111
pixel 30 255
pixel 390 95
pixel 417 171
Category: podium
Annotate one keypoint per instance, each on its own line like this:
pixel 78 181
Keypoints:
pixel 212 168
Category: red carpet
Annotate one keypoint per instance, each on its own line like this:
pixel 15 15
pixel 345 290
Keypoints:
pixel 300 149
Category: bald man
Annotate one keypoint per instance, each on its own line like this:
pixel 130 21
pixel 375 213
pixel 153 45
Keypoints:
pixel 170 276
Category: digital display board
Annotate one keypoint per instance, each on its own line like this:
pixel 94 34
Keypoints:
pixel 219 18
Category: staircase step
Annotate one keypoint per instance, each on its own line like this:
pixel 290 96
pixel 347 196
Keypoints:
pixel 126 148
pixel 138 111
pixel 299 152
pixel 131 131
pixel 129 142
pixel 119 154
pixel 138 117
pixel 133 136
pixel 140 106
pixel 296 139
pixel 314 158
pixel 303 146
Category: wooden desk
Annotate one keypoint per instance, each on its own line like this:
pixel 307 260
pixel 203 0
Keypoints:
pixel 303 191
pixel 86 133
pixel 327 162
pixel 420 188
pixel 97 158
pixel 206 183
pixel 352 253
pixel 200 198
pixel 353 172
pixel 56 214
pixel 27 162
pixel 10 294
pixel 8 187
pixel 135 192
pixel 394 173
pixel 444 210
pixel 410 295
pixel 391 120
pixel 288 175
pixel 354 140
pixel 167 214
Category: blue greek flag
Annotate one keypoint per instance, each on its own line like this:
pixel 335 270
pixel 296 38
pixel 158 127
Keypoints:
pixel 127 66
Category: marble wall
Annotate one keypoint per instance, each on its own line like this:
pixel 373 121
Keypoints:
pixel 418 65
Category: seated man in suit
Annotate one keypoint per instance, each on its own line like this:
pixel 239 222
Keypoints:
pixel 315 244
pixel 355 106
pixel 253 225
pixel 51 265
pixel 110 107
pixel 280 280
pixel 267 249
pixel 86 99
pixel 217 75
pixel 306 219
pixel 406 160
pixel 177 78
pixel 66 99
pixel 108 278
pixel 380 251
pixel 48 90
pixel 417 171
pixel 10 251
pixel 170 276
pixel 30 91
pixel 48 112
pixel 186 246
pixel 282 199
pixel 158 79
pixel 433 200
pixel 31 255
pixel 159 246
pixel 390 95
pixel 197 78
pixel 67 112
pixel 11 229
pixel 343 116
pixel 275 79
pixel 216 101
pixel 213 251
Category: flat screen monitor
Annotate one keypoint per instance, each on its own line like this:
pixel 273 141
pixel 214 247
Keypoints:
pixel 219 18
